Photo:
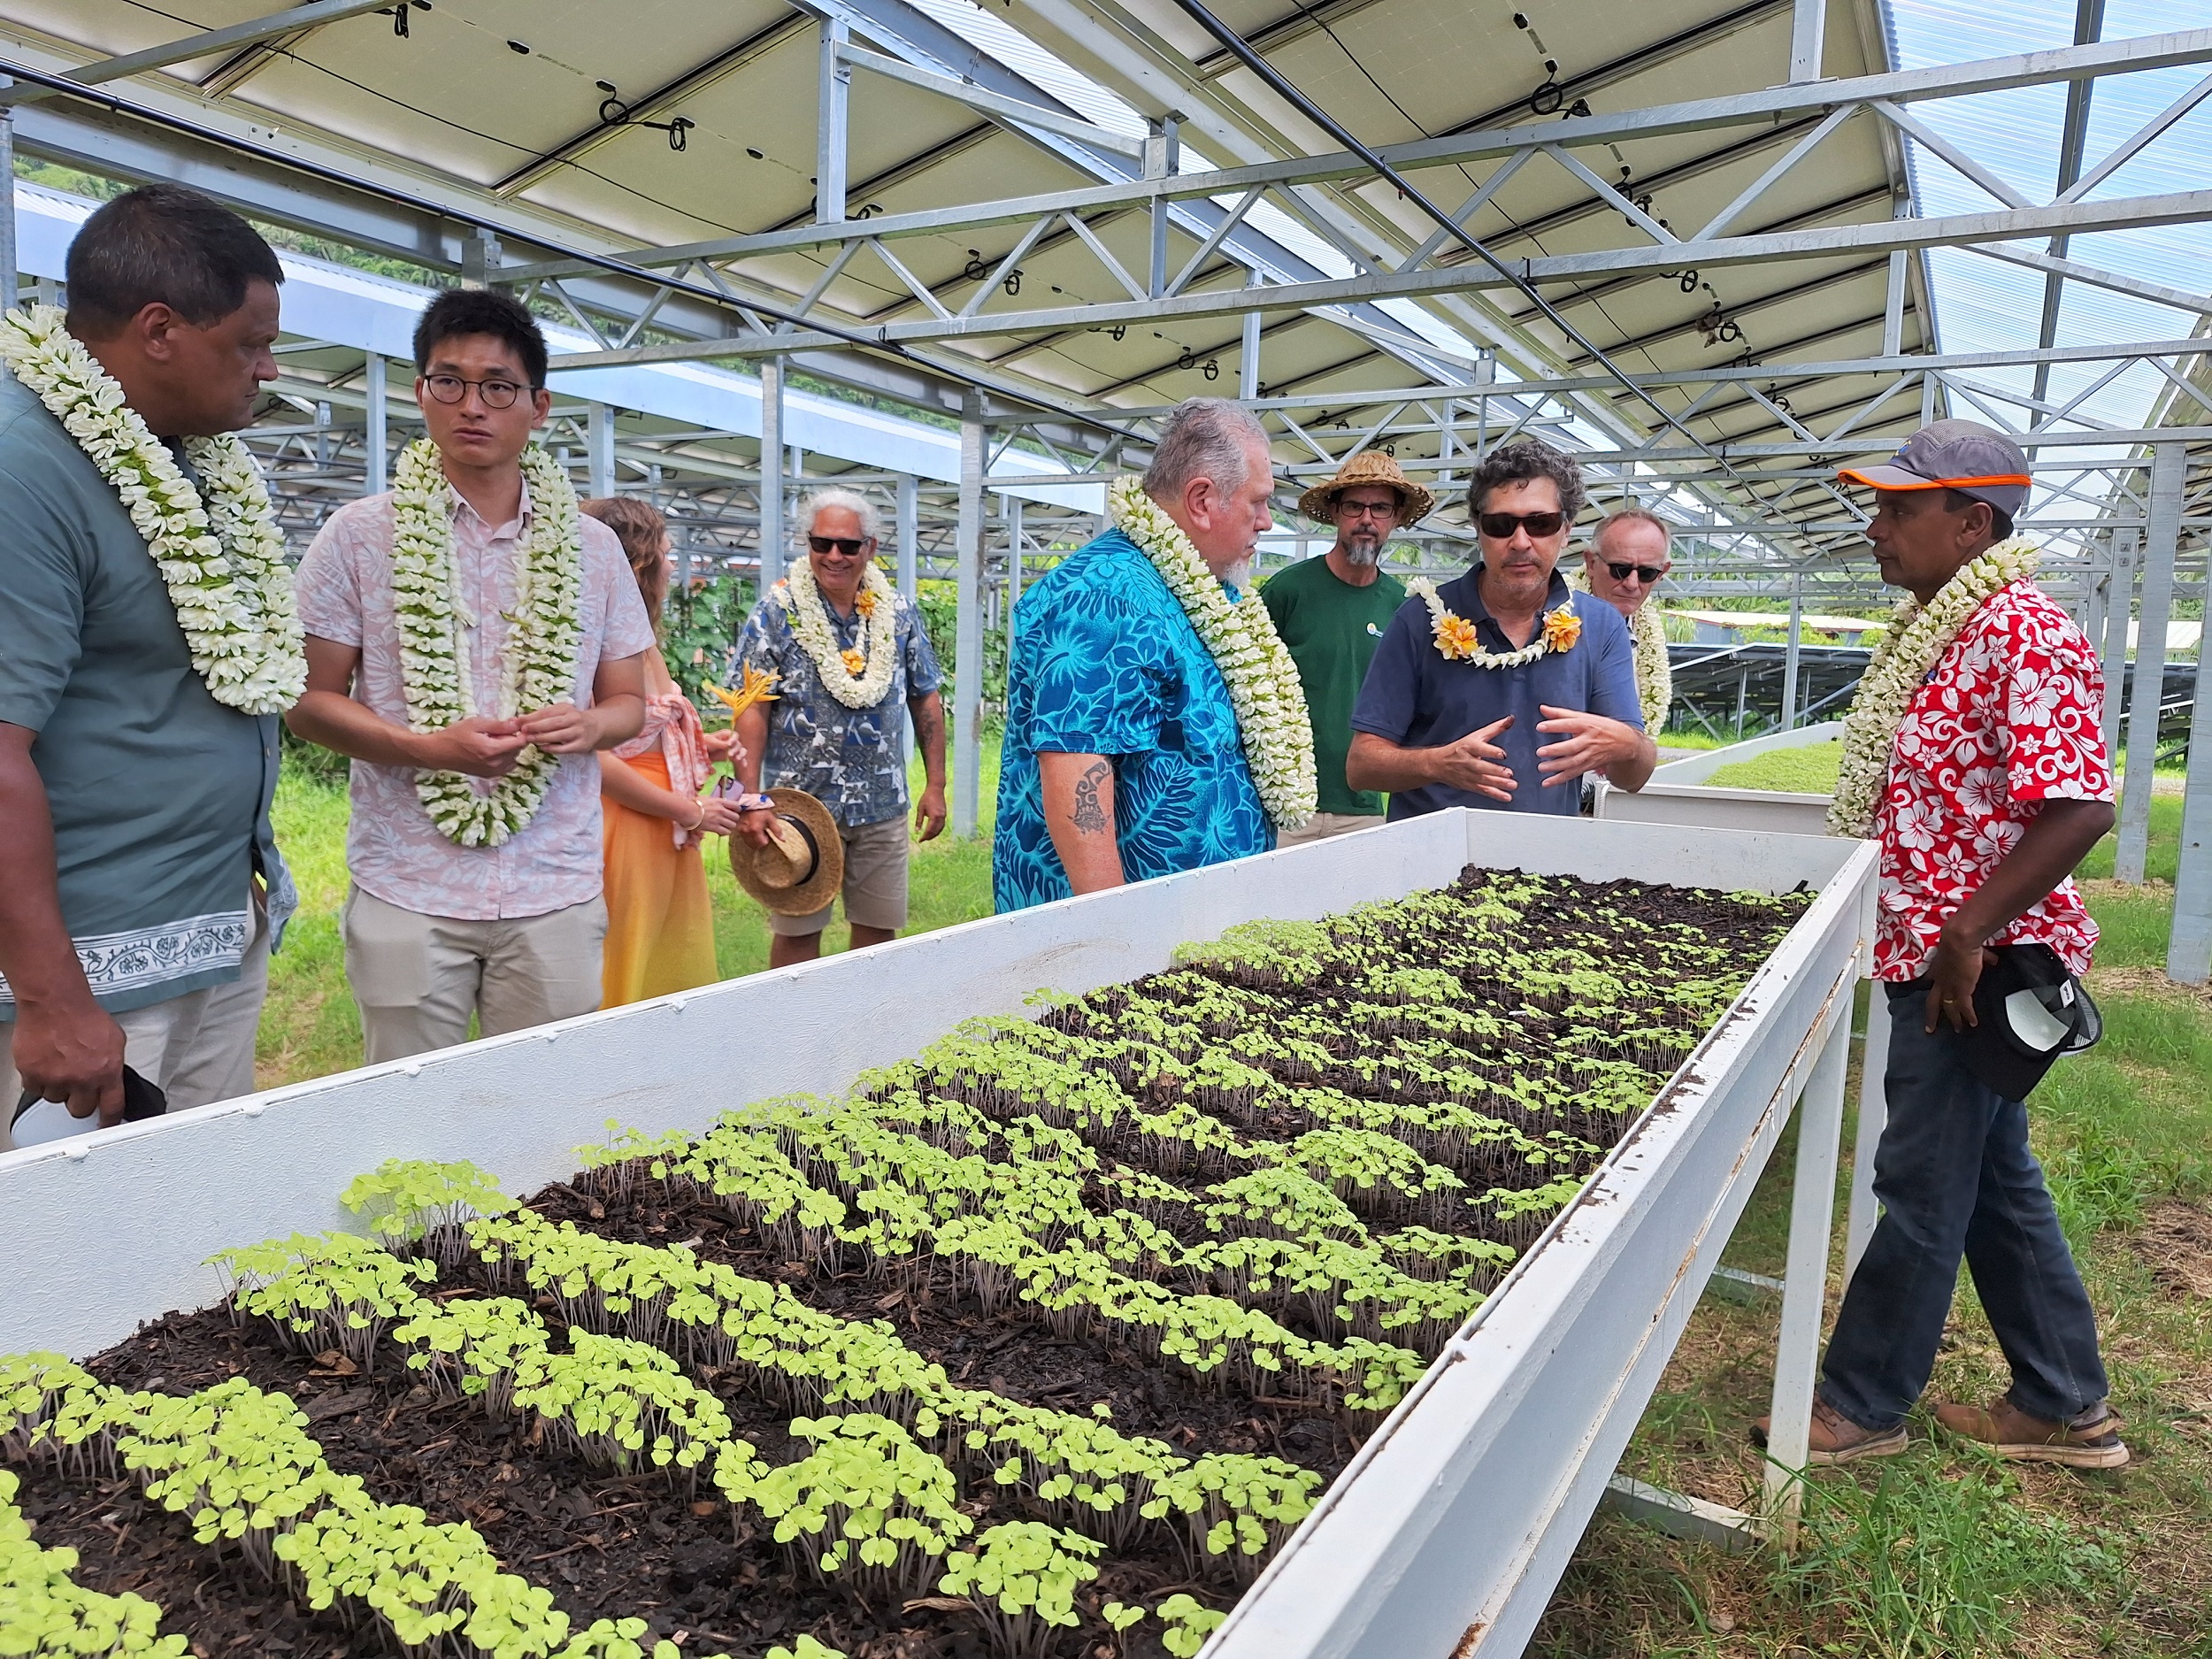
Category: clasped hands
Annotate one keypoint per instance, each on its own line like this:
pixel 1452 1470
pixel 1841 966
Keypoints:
pixel 483 747
pixel 1582 742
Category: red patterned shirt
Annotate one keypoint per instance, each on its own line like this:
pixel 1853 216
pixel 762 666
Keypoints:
pixel 2008 720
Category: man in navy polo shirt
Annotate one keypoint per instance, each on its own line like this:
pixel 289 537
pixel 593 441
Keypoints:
pixel 1504 687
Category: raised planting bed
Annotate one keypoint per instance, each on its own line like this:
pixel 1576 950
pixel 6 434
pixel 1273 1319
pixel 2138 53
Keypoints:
pixel 1782 782
pixel 1043 1341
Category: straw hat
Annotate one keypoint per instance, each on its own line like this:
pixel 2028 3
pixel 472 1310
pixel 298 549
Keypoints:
pixel 1369 466
pixel 804 865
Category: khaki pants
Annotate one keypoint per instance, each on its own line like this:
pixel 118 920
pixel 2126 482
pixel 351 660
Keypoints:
pixel 416 979
pixel 875 882
pixel 1322 826
pixel 196 1049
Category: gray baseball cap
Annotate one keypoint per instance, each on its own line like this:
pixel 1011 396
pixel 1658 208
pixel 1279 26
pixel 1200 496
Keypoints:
pixel 1962 455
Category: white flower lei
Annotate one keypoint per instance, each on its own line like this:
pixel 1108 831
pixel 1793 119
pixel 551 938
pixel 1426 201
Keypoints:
pixel 878 633
pixel 218 547
pixel 1455 635
pixel 1913 643
pixel 1648 647
pixel 539 664
pixel 1265 689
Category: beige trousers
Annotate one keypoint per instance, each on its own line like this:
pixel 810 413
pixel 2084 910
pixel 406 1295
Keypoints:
pixel 1322 826
pixel 416 979
pixel 196 1049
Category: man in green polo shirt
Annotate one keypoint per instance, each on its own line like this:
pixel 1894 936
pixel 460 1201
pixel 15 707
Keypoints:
pixel 1331 612
pixel 140 884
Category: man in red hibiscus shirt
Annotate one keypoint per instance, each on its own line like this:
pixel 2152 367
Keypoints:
pixel 1975 757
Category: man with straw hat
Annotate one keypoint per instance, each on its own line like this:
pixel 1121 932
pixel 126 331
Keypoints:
pixel 1331 612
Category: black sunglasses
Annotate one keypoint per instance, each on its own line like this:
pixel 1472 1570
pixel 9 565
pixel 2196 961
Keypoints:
pixel 849 546
pixel 1501 525
pixel 1646 575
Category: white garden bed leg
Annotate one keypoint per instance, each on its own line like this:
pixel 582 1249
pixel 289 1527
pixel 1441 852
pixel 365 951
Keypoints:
pixel 1812 1213
pixel 1873 1119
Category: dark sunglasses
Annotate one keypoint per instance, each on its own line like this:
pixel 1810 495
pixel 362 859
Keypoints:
pixel 1646 575
pixel 1501 525
pixel 849 546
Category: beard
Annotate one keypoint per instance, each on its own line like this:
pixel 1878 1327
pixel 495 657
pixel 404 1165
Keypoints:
pixel 1362 549
pixel 1239 575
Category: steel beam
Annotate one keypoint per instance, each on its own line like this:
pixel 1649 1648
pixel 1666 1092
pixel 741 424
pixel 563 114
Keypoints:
pixel 375 411
pixel 2189 946
pixel 771 465
pixel 599 444
pixel 1809 35
pixel 834 84
pixel 967 657
pixel 2170 466
pixel 991 104
pixel 908 532
pixel 208 43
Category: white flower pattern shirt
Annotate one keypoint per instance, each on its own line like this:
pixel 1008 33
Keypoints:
pixel 2010 718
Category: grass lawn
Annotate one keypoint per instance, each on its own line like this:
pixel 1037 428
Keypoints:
pixel 1808 770
pixel 310 1027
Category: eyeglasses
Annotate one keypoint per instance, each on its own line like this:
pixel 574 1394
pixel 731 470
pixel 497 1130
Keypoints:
pixel 851 547
pixel 1367 509
pixel 1644 573
pixel 1499 527
pixel 451 389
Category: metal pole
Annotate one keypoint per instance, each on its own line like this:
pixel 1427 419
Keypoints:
pixel 373 436
pixel 1248 358
pixel 1789 657
pixel 770 473
pixel 967 657
pixel 910 535
pixel 1163 149
pixel 599 433
pixel 2118 612
pixel 1013 560
pixel 834 82
pixel 1808 26
pixel 2169 469
pixel 7 208
pixel 1805 1280
pixel 2189 947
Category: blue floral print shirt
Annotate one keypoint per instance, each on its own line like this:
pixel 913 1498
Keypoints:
pixel 1104 661
pixel 849 759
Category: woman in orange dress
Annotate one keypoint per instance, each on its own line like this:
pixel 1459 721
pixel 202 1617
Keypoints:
pixel 660 923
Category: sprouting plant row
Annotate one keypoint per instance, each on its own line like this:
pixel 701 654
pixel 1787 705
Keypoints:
pixel 43 1611
pixel 237 1465
pixel 619 1398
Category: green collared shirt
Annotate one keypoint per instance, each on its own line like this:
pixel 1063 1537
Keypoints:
pixel 159 795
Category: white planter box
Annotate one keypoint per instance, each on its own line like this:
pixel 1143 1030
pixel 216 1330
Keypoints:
pixel 1446 1535
pixel 1679 793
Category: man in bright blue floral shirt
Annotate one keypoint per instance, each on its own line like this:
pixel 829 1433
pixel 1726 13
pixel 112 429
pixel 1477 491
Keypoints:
pixel 1122 758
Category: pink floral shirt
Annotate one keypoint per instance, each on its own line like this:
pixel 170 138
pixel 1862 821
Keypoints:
pixel 2007 720
pixel 673 727
pixel 393 850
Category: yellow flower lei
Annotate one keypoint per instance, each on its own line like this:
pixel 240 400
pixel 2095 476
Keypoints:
pixel 1265 689
pixel 1457 640
pixel 860 678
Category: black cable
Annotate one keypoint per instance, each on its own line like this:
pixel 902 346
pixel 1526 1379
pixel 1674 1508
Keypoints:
pixel 1235 45
pixel 604 262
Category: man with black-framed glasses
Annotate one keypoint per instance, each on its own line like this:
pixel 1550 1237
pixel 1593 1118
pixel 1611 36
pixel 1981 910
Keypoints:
pixel 1503 688
pixel 1626 560
pixel 473 639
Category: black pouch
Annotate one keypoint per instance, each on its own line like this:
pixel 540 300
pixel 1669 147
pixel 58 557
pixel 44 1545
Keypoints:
pixel 36 1120
pixel 2029 1011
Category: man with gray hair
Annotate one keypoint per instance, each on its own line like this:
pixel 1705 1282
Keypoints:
pixel 1124 757
pixel 1626 560
pixel 852 661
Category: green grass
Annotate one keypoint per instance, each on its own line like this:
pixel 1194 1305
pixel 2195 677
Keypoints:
pixel 310 1028
pixel 1945 1552
pixel 1808 770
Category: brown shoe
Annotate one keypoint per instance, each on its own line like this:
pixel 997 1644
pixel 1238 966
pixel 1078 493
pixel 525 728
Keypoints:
pixel 2091 1440
pixel 1836 1438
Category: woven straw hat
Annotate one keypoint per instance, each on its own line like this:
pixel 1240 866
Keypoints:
pixel 1369 466
pixel 804 865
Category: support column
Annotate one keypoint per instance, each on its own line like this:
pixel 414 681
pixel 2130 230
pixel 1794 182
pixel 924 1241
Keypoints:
pixel 1789 657
pixel 2162 531
pixel 1249 357
pixel 8 279
pixel 2119 611
pixel 910 511
pixel 2189 947
pixel 772 535
pixel 374 438
pixel 834 81
pixel 1163 152
pixel 967 657
pixel 599 448
pixel 1013 559
pixel 1812 1209
pixel 1894 310
pixel 480 259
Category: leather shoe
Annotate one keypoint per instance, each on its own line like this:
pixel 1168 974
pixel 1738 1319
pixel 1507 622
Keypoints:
pixel 1836 1438
pixel 2091 1440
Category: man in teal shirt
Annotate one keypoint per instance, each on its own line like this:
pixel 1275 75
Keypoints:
pixel 1331 612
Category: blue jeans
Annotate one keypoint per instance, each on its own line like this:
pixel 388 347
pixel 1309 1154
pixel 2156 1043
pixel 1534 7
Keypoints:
pixel 1956 1178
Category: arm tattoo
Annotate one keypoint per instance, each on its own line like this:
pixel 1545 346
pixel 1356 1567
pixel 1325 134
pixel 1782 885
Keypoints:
pixel 1089 818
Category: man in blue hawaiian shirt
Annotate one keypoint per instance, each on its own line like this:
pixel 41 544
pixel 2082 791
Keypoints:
pixel 844 750
pixel 1122 759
